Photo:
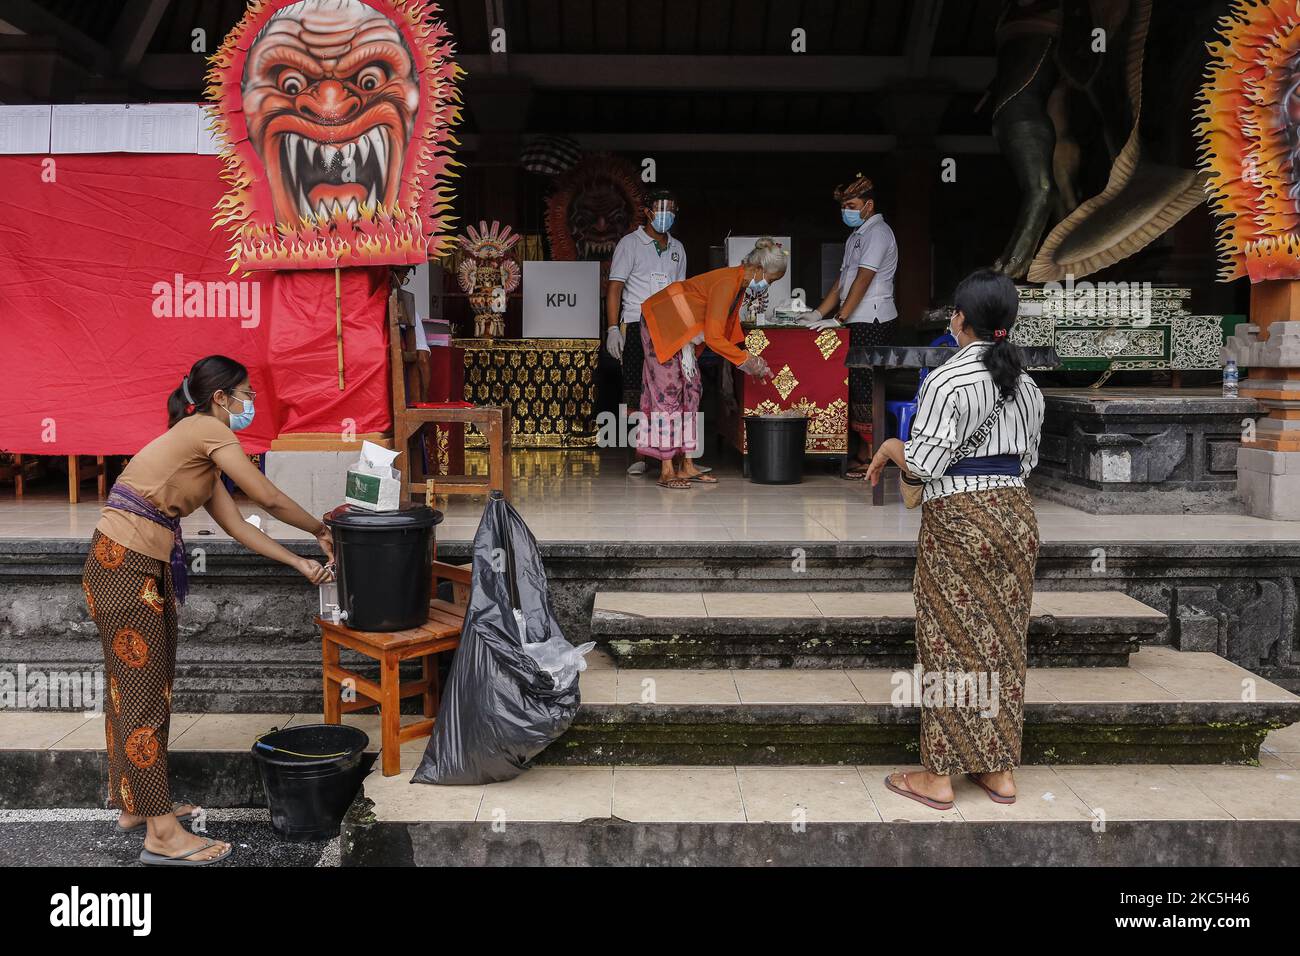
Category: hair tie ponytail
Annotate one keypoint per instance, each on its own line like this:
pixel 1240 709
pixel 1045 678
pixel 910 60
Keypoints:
pixel 999 333
pixel 207 376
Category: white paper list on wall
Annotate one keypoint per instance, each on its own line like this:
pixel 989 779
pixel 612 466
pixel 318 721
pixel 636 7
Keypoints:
pixel 125 128
pixel 25 129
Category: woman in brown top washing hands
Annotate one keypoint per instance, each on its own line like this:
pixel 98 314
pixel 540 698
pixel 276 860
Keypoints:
pixel 136 573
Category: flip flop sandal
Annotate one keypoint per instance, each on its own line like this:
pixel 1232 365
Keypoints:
pixel 675 484
pixel 703 469
pixel 996 797
pixel 183 819
pixel 854 476
pixel 913 795
pixel 149 858
pixel 703 479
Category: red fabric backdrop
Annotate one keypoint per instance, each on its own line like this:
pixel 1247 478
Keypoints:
pixel 88 348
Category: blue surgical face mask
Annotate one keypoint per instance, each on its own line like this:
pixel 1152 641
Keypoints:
pixel 663 221
pixel 241 420
pixel 852 217
pixel 758 286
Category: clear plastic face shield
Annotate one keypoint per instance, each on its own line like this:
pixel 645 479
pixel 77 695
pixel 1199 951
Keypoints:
pixel 663 213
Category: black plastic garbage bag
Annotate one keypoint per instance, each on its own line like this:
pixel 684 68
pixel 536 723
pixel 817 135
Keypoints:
pixel 500 709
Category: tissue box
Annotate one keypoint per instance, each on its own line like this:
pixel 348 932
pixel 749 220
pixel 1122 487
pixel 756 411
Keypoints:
pixel 373 492
pixel 372 483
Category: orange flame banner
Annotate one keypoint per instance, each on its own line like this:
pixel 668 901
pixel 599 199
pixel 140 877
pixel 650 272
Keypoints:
pixel 335 118
pixel 1249 130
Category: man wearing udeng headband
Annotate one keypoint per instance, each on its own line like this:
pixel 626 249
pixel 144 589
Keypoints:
pixel 863 299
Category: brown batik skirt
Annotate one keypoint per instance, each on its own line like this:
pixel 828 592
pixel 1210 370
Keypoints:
pixel 973 586
pixel 130 598
pixel 865 335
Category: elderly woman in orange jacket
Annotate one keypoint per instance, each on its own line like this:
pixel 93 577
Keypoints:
pixel 704 310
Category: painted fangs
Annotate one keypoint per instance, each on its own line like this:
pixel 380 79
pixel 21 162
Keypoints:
pixel 355 153
pixel 379 141
pixel 291 147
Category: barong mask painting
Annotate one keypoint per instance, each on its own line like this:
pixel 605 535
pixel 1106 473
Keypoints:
pixel 335 118
pixel 1250 139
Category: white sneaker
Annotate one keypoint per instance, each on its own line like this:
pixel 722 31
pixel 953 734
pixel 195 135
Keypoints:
pixel 636 468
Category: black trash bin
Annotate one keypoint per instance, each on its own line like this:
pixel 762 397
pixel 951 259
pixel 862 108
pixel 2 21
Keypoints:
pixel 775 446
pixel 311 775
pixel 384 564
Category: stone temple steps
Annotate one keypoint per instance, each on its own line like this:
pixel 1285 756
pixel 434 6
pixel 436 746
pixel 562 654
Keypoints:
pixel 771 678
pixel 1166 706
pixel 846 629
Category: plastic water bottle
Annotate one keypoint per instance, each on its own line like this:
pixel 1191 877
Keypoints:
pixel 1230 376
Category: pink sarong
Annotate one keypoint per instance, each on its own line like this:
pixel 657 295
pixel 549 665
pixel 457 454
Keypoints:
pixel 670 404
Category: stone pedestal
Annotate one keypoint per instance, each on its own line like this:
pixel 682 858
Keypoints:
pixel 1268 483
pixel 1142 451
pixel 314 479
pixel 1269 464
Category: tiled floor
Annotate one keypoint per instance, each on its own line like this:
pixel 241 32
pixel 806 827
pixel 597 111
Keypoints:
pixel 587 496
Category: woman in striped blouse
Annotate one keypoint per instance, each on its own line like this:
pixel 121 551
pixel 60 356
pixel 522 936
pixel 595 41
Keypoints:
pixel 974 440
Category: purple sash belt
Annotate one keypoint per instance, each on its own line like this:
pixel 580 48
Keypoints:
pixel 125 499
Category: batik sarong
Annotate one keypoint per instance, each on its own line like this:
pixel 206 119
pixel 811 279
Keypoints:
pixel 865 335
pixel 669 405
pixel 973 586
pixel 130 597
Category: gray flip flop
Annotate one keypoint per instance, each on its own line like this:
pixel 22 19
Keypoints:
pixel 149 858
pixel 183 820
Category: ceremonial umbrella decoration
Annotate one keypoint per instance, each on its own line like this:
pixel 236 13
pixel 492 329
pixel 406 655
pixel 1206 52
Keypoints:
pixel 335 119
pixel 488 273
pixel 1249 129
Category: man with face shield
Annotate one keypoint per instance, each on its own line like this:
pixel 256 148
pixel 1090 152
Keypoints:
pixel 645 261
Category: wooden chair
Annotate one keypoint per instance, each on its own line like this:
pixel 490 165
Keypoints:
pixel 79 472
pixel 410 417
pixel 439 634
pixel 24 468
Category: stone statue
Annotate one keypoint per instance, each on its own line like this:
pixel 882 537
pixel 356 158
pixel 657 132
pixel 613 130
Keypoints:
pixel 1053 56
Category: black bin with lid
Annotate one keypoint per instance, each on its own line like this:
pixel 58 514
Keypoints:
pixel 384 564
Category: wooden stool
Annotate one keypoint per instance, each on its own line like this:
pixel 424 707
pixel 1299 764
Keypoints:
pixel 439 634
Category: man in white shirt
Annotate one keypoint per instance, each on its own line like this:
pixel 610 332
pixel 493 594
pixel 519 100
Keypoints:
pixel 863 299
pixel 644 262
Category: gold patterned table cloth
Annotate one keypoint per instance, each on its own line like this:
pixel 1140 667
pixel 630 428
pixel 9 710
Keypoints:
pixel 549 384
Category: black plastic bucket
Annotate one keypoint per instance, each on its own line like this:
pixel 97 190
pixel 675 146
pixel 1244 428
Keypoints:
pixel 311 775
pixel 775 446
pixel 384 565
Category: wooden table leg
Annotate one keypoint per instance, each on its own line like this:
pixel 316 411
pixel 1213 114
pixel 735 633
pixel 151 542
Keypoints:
pixel 390 716
pixel 877 427
pixel 432 691
pixel 329 652
pixel 18 476
pixel 74 480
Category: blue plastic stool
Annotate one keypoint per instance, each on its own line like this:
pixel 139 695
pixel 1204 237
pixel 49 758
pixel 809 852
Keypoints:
pixel 902 414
